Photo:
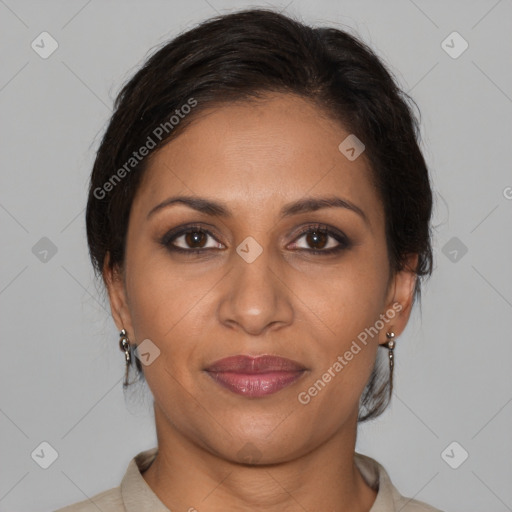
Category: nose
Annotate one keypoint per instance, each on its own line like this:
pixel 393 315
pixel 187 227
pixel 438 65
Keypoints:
pixel 255 297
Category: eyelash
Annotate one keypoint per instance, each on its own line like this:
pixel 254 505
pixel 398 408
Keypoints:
pixel 172 235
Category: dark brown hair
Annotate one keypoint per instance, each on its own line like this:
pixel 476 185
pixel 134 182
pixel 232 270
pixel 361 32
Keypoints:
pixel 239 57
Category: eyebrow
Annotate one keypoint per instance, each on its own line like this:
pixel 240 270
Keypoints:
pixel 219 209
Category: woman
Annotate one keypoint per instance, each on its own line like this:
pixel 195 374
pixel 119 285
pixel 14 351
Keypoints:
pixel 259 211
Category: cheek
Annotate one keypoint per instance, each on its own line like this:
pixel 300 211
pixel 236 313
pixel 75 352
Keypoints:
pixel 160 298
pixel 170 309
pixel 346 341
pixel 344 300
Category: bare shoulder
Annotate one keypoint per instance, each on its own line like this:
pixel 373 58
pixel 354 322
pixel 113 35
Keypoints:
pixel 106 501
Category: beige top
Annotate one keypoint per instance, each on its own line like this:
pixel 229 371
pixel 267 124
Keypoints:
pixel 135 495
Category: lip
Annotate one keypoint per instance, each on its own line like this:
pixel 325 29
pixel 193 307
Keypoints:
pixel 255 376
pixel 255 364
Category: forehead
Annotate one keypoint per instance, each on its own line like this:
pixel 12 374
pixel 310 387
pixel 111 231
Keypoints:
pixel 273 151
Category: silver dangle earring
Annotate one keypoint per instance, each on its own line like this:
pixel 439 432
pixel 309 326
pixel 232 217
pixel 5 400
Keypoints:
pixel 391 346
pixel 124 345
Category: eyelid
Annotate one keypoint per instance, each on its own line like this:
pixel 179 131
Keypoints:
pixel 342 240
pixel 183 230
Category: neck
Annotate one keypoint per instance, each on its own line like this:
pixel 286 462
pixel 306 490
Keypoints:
pixel 185 476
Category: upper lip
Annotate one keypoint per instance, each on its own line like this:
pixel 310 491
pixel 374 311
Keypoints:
pixel 255 364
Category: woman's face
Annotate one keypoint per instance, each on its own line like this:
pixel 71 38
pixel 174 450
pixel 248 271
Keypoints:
pixel 257 287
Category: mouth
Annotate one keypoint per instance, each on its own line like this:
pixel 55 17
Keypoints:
pixel 255 376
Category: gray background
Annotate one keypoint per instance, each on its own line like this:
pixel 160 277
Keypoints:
pixel 61 367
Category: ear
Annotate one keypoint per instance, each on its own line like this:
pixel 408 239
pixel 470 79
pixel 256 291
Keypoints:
pixel 400 298
pixel 114 281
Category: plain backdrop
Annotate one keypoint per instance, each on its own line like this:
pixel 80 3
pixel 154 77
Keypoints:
pixel 61 366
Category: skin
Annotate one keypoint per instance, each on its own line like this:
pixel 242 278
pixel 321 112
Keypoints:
pixel 197 309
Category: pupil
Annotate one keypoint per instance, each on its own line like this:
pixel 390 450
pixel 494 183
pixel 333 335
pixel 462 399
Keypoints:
pixel 195 237
pixel 315 237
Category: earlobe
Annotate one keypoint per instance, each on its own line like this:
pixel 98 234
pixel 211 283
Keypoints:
pixel 114 283
pixel 402 296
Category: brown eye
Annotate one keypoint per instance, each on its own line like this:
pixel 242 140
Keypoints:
pixel 321 240
pixel 316 239
pixel 190 239
pixel 195 239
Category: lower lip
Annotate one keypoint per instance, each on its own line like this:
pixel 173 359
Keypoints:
pixel 255 384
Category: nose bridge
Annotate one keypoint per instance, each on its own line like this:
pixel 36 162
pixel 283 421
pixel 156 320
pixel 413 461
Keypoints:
pixel 253 267
pixel 255 296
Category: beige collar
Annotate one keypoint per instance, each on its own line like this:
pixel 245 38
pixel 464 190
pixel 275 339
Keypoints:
pixel 139 497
